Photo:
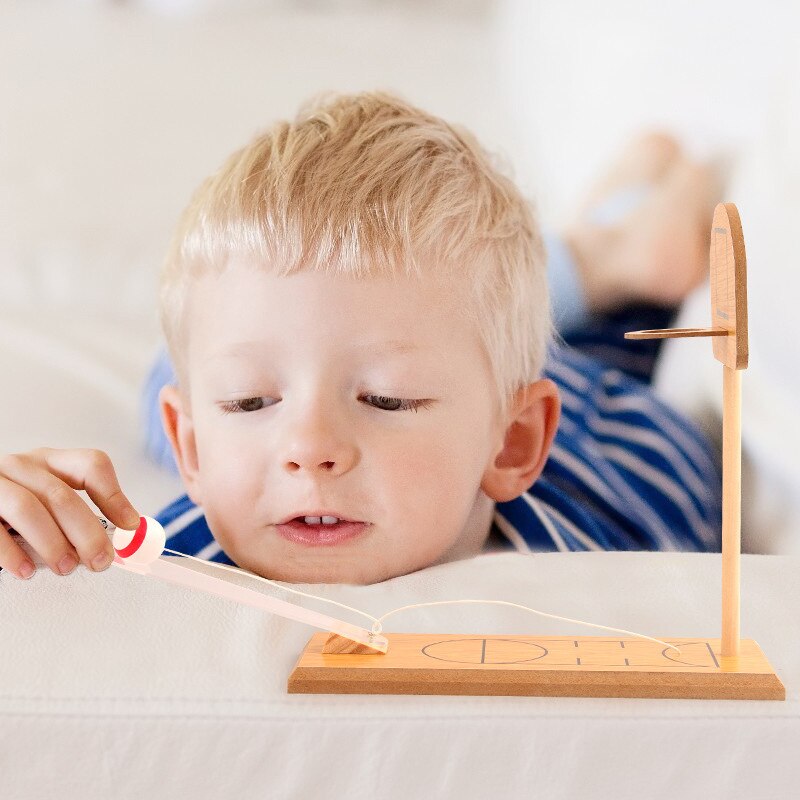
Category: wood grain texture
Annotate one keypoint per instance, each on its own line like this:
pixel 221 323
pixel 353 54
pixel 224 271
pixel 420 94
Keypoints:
pixel 676 333
pixel 731 507
pixel 728 278
pixel 341 644
pixel 552 666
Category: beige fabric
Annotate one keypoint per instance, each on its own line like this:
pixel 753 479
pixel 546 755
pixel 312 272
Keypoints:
pixel 134 688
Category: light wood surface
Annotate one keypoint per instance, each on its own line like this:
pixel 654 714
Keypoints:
pixel 728 278
pixel 731 507
pixel 552 666
pixel 341 644
pixel 676 333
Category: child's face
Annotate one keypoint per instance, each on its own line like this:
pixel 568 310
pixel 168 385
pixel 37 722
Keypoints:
pixel 319 428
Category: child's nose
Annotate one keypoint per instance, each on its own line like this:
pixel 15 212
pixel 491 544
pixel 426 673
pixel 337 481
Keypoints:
pixel 328 454
pixel 318 439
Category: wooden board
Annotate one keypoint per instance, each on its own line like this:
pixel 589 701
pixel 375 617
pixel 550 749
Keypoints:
pixel 728 279
pixel 551 666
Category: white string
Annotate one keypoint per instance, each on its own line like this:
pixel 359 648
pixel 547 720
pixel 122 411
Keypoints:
pixel 517 605
pixel 273 583
pixel 377 627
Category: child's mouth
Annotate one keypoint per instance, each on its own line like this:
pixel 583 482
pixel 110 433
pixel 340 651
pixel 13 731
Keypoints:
pixel 315 535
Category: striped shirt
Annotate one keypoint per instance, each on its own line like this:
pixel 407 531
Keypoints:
pixel 625 472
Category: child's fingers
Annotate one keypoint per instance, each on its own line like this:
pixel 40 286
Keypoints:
pixel 92 471
pixel 30 490
pixel 14 559
pixel 12 556
pixel 22 510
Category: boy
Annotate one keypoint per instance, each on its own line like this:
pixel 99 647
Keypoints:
pixel 357 310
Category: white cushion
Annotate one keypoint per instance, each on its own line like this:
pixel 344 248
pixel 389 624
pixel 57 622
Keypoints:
pixel 117 685
pixel 75 380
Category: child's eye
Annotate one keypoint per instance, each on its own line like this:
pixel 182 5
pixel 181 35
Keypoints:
pixel 398 404
pixel 247 404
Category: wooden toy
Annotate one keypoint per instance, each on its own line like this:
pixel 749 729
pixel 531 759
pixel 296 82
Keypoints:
pixel 550 666
pixel 458 664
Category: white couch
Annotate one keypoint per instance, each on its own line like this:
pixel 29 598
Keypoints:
pixel 117 685
pixel 112 685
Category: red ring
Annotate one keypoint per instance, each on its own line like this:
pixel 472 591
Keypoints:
pixel 136 541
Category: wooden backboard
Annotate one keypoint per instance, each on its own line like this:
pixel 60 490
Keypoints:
pixel 728 264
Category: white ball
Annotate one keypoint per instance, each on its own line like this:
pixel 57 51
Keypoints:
pixel 142 546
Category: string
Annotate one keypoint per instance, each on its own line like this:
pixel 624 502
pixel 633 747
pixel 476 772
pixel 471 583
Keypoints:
pixel 274 583
pixel 517 605
pixel 377 626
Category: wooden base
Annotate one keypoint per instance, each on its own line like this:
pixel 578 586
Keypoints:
pixel 551 666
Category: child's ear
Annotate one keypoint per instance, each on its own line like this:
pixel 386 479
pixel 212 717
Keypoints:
pixel 522 455
pixel 180 431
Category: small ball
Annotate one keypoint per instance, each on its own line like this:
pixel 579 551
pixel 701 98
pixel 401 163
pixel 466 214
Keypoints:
pixel 142 546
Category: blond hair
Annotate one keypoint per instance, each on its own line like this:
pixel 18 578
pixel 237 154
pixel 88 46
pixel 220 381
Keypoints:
pixel 367 184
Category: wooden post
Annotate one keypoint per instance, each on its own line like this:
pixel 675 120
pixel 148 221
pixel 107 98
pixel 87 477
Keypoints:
pixel 731 507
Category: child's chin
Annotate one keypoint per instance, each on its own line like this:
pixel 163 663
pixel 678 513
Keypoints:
pixel 342 575
pixel 312 575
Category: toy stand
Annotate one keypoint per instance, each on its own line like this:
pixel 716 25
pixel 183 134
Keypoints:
pixel 551 666
pixel 590 666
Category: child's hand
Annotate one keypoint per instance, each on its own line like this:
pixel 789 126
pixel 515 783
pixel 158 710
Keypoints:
pixel 37 501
